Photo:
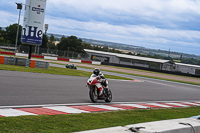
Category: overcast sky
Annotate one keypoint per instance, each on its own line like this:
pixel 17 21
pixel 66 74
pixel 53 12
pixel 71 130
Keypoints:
pixel 157 24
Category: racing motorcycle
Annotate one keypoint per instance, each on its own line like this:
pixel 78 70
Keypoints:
pixel 95 86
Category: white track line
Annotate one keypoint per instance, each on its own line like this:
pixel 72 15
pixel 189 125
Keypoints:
pixel 177 104
pixel 161 105
pixel 197 102
pixel 69 110
pixel 106 107
pixel 136 105
pixel 191 103
pixel 13 112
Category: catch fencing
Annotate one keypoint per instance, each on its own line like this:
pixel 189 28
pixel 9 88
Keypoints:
pixel 43 51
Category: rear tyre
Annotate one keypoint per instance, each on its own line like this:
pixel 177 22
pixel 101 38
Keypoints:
pixel 93 95
pixel 108 98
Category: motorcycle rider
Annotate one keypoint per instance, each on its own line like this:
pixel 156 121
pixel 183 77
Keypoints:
pixel 101 78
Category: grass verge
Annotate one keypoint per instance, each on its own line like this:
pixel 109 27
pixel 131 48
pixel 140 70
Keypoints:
pixel 55 70
pixel 146 76
pixel 81 122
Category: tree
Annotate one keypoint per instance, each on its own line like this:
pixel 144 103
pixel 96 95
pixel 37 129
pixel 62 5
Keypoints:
pixel 72 43
pixel 52 38
pixel 190 61
pixel 105 48
pixel 97 47
pixel 86 45
pixel 1 36
pixel 129 53
pixel 181 57
pixel 63 37
pixel 51 42
pixel 44 41
pixel 11 32
pixel 168 58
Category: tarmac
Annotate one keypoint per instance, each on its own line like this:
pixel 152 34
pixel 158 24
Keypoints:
pixel 185 125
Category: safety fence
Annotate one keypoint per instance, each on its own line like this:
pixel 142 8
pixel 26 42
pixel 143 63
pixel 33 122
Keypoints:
pixel 43 51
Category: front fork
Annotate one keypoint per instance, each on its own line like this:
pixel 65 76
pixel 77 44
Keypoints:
pixel 95 91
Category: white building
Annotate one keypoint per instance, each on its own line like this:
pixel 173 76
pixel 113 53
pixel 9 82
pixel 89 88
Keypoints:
pixel 143 62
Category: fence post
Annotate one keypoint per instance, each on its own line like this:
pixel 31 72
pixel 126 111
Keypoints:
pixel 64 53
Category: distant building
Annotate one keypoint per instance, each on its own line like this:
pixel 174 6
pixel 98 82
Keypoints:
pixel 144 62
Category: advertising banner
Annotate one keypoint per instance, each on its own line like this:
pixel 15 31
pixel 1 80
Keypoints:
pixel 100 58
pixel 33 23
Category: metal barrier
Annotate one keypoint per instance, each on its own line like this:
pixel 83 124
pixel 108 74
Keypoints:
pixel 42 64
pixel 26 62
pixel 18 61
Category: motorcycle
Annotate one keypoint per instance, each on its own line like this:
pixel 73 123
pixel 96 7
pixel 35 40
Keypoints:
pixel 71 66
pixel 95 86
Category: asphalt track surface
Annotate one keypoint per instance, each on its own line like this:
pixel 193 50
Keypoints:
pixel 23 88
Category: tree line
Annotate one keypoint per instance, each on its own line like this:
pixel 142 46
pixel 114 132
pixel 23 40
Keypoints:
pixel 71 43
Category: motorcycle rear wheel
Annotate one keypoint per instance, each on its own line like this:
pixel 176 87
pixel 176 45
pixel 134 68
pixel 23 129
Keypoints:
pixel 93 96
pixel 108 98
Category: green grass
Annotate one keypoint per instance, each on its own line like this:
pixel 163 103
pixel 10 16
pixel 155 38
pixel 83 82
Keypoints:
pixel 178 61
pixel 151 72
pixel 180 81
pixel 146 76
pixel 55 70
pixel 81 122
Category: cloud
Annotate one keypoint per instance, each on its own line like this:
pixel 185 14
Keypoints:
pixel 150 23
pixel 142 35
pixel 7 18
pixel 144 8
pixel 126 30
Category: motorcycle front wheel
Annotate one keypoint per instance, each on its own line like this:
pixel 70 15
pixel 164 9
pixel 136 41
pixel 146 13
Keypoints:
pixel 93 95
pixel 108 97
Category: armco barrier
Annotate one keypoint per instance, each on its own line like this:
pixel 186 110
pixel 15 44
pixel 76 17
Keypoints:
pixel 63 59
pixel 96 63
pixel 18 61
pixel 74 60
pixel 7 53
pixel 50 58
pixel 37 56
pixel 41 64
pixel 53 58
pixel 84 61
pixel 24 62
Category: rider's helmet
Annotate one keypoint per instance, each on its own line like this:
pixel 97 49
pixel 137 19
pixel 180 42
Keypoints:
pixel 96 71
